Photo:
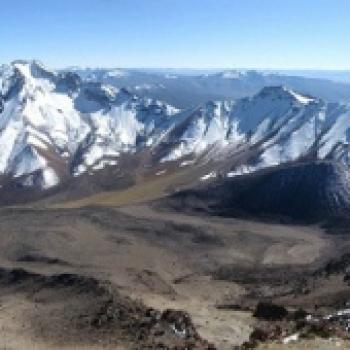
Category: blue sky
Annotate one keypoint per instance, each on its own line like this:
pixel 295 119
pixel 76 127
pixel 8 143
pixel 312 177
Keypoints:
pixel 178 33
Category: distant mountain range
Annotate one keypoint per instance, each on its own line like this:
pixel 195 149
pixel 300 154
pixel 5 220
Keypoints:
pixel 189 88
pixel 341 76
pixel 57 126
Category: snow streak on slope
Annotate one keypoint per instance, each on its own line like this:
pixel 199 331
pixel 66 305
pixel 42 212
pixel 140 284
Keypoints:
pixel 206 126
pixel 130 124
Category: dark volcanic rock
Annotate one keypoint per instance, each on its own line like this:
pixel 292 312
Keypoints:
pixel 306 192
pixel 270 312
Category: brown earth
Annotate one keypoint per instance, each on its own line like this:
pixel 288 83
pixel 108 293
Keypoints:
pixel 205 266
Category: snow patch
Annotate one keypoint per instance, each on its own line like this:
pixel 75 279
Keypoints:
pixel 291 338
pixel 186 163
pixel 302 99
pixel 161 172
pixel 103 163
pixel 49 178
pixel 241 170
pixel 206 177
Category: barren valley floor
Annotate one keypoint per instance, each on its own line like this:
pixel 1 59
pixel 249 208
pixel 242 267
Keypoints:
pixel 59 266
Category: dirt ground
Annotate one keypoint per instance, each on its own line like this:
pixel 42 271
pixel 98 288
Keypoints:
pixel 167 260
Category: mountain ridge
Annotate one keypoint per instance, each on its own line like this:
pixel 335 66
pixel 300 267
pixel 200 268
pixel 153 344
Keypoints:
pixel 55 126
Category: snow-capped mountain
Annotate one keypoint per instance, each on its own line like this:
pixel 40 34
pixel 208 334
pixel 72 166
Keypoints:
pixel 279 124
pixel 58 125
pixel 53 125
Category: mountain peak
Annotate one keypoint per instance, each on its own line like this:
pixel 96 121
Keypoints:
pixel 32 69
pixel 27 63
pixel 282 92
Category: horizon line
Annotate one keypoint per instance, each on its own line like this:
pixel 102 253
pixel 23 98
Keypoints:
pixel 83 66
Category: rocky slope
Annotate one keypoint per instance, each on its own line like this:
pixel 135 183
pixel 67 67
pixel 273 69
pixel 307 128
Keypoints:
pixel 307 192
